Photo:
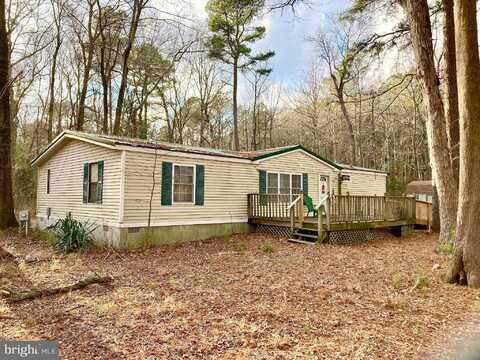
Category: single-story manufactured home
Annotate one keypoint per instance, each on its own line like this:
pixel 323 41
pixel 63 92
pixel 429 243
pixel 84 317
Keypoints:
pixel 185 193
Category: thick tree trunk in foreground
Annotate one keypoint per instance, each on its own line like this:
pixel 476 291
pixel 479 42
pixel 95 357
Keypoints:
pixel 465 265
pixel 7 215
pixel 453 131
pixel 421 34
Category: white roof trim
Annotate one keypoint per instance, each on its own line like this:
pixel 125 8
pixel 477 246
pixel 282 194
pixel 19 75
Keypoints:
pixel 60 139
pixel 369 172
pixel 294 151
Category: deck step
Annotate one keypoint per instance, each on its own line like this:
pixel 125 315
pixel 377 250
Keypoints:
pixel 309 236
pixel 300 229
pixel 301 241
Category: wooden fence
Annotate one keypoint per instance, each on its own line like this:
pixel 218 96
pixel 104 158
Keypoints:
pixel 424 213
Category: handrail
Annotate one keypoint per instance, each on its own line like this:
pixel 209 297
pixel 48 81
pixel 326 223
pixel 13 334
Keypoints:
pixel 294 202
pixel 296 206
pixel 322 201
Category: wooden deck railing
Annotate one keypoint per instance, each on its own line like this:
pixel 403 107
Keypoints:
pixel 341 208
pixel 360 208
pixel 269 206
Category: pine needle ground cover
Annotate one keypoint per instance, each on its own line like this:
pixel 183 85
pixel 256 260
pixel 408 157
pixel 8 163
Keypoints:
pixel 224 299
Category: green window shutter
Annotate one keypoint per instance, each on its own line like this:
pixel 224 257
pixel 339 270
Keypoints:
pixel 305 184
pixel 199 184
pixel 100 182
pixel 166 183
pixel 85 182
pixel 262 188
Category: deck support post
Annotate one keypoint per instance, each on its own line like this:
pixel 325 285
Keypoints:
pixel 327 212
pixel 292 221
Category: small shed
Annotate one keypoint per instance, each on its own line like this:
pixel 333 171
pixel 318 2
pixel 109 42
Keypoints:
pixel 422 189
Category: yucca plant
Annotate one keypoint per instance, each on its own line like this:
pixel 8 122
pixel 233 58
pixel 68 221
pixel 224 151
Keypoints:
pixel 72 235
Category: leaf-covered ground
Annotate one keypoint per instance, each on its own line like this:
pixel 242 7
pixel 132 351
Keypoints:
pixel 250 296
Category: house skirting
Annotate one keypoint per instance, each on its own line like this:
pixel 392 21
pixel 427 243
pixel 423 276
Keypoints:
pixel 107 234
pixel 131 238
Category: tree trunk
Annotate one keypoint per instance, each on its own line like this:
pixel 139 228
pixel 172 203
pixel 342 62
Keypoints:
pixel 236 140
pixel 86 71
pixel 453 132
pixel 421 35
pixel 102 65
pixel 137 10
pixel 7 215
pixel 83 93
pixel 465 264
pixel 254 118
pixel 53 71
pixel 351 131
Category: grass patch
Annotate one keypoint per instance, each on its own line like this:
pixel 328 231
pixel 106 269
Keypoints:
pixel 476 305
pixel 445 249
pixel 398 281
pixel 147 252
pixel 396 303
pixel 267 248
pixel 105 308
pixel 240 247
pixel 422 282
pixel 417 331
pixel 44 235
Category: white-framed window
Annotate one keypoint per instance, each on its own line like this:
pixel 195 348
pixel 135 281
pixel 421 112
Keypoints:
pixel 183 183
pixel 284 183
pixel 272 183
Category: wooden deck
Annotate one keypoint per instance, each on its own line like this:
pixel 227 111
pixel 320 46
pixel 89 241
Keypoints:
pixel 338 213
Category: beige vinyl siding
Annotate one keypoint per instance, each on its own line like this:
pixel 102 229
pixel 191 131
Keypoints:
pixel 299 162
pixel 225 196
pixel 365 184
pixel 66 183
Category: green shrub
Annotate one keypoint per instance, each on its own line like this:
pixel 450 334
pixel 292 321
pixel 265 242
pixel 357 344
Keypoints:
pixel 267 248
pixel 72 235
pixel 422 282
pixel 445 249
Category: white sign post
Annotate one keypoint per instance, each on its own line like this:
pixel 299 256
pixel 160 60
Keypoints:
pixel 24 217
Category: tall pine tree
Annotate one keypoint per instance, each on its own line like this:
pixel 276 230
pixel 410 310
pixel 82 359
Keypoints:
pixel 230 21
